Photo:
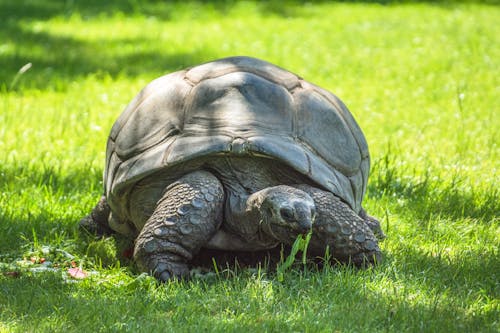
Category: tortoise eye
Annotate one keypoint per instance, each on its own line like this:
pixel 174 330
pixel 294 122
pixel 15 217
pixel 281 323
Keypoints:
pixel 287 214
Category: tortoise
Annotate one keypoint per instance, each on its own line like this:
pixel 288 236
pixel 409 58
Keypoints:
pixel 235 154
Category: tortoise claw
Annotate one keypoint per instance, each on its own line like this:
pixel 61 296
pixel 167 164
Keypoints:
pixel 163 268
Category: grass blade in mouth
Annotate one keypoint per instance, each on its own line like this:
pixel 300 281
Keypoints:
pixel 300 244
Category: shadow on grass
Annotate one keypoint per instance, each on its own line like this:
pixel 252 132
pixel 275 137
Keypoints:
pixel 58 60
pixel 43 202
pixel 333 299
pixel 20 177
pixel 441 271
pixel 451 281
pixel 166 10
pixel 427 196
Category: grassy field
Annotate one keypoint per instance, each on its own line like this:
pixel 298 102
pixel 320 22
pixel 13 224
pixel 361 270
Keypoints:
pixel 423 81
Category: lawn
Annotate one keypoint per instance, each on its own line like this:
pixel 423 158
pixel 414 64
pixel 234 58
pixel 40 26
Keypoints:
pixel 422 80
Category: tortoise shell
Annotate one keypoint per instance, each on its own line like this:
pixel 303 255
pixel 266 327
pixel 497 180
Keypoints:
pixel 237 106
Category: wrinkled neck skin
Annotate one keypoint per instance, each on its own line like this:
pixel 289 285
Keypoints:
pixel 245 218
pixel 255 210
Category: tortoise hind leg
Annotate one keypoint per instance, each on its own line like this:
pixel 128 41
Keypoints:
pixel 185 218
pixel 347 235
pixel 97 221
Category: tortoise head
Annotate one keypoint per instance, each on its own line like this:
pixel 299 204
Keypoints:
pixel 285 212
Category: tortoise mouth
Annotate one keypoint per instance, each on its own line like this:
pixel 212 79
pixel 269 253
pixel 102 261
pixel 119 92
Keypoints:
pixel 284 234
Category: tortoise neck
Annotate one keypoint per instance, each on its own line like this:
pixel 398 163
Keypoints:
pixel 244 218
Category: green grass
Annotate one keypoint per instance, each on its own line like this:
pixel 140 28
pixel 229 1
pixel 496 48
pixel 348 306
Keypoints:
pixel 422 79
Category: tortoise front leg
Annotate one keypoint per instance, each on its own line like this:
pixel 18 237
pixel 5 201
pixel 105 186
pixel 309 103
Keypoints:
pixel 339 228
pixel 185 218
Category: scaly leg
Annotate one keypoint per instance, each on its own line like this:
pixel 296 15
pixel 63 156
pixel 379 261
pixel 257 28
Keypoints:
pixel 185 218
pixel 338 227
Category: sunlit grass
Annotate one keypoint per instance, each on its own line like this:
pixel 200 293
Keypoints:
pixel 422 80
